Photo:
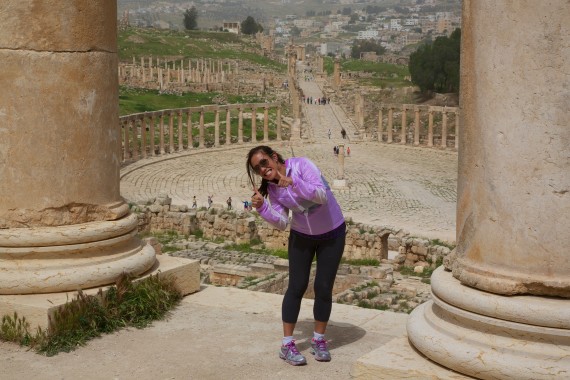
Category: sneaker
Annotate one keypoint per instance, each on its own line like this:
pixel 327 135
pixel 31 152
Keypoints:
pixel 291 355
pixel 320 350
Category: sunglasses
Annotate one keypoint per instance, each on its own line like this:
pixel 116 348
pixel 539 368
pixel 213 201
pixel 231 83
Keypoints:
pixel 263 163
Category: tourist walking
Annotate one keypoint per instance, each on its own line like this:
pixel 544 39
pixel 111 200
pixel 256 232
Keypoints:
pixel 229 203
pixel 329 133
pixel 210 201
pixel 194 202
pixel 348 151
pixel 317 229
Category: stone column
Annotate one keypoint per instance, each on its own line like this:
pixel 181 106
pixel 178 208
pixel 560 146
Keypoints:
pixel 380 124
pixel 171 132
pixel 456 142
pixel 390 124
pixel 143 135
pixel 240 125
pixel 180 132
pixel 340 183
pixel 189 130
pixel 253 124
pixel 63 223
pixel 217 127
pixel 161 137
pixel 430 128
pixel 228 127
pixel 201 135
pixel 404 126
pixel 504 311
pixel 152 131
pixel 444 129
pixel 417 127
pixel 359 109
pixel 266 124
pixel 279 137
pixel 135 139
pixel 126 138
pixel 336 74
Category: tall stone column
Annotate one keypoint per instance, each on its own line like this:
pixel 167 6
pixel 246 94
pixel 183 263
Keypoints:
pixel 504 312
pixel 63 223
pixel 240 125
pixel 336 74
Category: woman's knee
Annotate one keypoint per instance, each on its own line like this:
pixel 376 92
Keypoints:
pixel 323 290
pixel 297 290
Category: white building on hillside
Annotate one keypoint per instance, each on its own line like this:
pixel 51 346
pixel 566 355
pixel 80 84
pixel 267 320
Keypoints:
pixel 367 35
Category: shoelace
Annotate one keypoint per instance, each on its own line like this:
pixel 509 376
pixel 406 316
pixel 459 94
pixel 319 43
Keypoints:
pixel 293 348
pixel 321 344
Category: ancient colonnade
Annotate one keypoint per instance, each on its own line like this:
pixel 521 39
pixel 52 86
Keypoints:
pixel 204 71
pixel 167 131
pixel 431 132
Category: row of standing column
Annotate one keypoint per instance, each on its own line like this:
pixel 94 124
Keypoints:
pixel 131 124
pixel 403 130
pixel 203 72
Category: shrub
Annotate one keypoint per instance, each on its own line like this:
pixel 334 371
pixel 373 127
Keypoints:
pixel 125 304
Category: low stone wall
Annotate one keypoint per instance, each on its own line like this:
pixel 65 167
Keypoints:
pixel 239 226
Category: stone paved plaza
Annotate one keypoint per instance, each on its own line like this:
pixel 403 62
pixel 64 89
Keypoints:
pixel 390 185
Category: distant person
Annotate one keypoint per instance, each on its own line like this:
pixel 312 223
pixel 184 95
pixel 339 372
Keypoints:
pixel 229 203
pixel 348 151
pixel 194 202
pixel 329 133
pixel 245 205
pixel 317 230
pixel 343 133
pixel 210 201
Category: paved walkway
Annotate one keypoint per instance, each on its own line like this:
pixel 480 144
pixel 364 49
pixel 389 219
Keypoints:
pixel 217 333
pixel 403 187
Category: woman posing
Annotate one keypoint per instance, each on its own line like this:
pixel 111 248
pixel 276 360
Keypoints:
pixel 317 229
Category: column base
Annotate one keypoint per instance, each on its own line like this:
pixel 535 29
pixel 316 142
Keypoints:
pixel 71 257
pixel 489 336
pixel 37 307
pixel 340 184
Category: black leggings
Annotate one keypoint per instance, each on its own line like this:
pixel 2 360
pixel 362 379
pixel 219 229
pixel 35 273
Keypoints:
pixel 301 253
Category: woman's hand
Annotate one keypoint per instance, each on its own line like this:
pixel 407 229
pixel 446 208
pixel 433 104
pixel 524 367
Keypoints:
pixel 256 199
pixel 283 180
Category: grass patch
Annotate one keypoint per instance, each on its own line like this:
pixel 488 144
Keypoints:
pixel 136 100
pixel 365 286
pixel 442 243
pixel 409 271
pixel 384 75
pixel 361 262
pixel 255 246
pixel 166 239
pixel 125 304
pixel 176 45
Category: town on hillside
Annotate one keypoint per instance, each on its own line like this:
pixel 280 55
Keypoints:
pixel 381 31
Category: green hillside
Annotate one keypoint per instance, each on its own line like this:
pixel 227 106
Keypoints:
pixel 134 42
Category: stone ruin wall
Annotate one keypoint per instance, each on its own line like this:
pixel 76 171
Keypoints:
pixel 362 241
pixel 369 286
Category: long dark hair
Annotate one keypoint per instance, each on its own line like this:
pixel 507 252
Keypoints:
pixel 250 172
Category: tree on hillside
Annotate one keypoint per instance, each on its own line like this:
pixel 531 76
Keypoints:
pixel 435 66
pixel 360 46
pixel 250 26
pixel 191 18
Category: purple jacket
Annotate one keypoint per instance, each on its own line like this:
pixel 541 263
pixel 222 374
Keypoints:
pixel 315 209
